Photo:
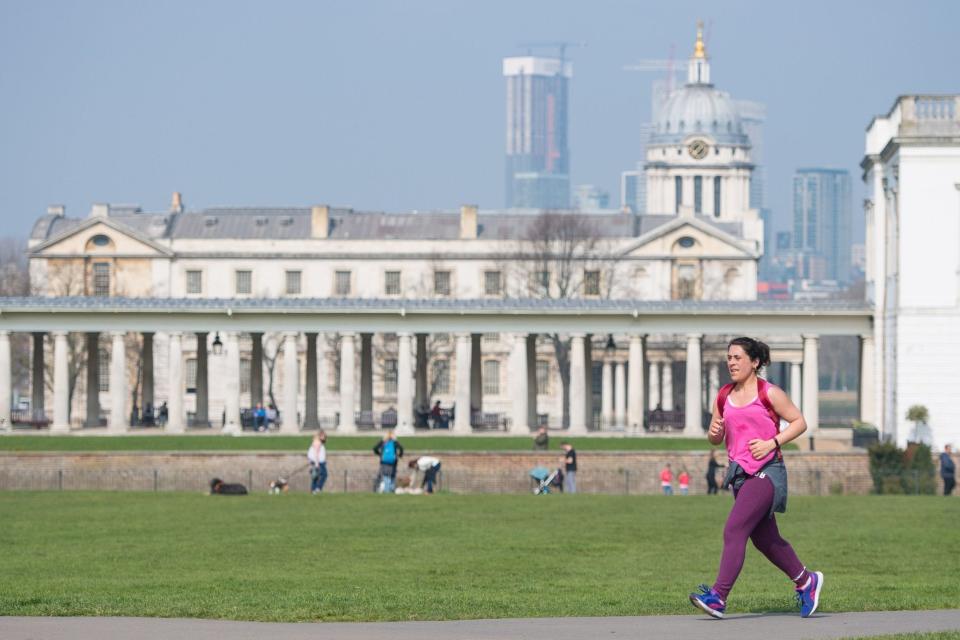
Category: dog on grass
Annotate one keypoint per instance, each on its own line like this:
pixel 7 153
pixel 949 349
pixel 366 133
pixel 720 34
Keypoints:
pixel 219 487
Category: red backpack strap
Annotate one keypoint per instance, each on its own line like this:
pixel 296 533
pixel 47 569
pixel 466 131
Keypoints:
pixel 722 397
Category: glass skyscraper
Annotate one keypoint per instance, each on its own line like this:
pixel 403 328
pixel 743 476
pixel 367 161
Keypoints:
pixel 538 158
pixel 822 217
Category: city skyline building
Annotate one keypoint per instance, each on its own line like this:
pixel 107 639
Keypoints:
pixel 537 152
pixel 822 220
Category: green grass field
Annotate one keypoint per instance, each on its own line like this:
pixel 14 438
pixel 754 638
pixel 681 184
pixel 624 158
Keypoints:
pixel 370 557
pixel 941 635
pixel 334 443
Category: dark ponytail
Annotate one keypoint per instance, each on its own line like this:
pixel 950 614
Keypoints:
pixel 754 349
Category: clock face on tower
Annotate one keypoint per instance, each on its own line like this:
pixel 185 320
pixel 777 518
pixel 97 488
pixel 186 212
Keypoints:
pixel 698 149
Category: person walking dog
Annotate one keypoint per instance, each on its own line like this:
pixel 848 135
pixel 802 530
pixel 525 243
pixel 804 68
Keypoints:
pixel 746 416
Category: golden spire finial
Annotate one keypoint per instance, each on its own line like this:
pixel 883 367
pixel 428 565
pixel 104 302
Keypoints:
pixel 699 50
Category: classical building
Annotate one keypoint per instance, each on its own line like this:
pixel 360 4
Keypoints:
pixel 911 168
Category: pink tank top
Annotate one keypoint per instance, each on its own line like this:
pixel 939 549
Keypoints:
pixel 743 424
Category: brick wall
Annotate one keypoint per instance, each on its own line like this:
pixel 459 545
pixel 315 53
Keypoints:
pixel 500 472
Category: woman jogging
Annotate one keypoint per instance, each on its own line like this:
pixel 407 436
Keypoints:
pixel 746 416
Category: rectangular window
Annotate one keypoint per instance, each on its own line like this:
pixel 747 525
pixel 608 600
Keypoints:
pixel 390 377
pixel 492 283
pixel 391 283
pixel 678 188
pixel 244 282
pixel 191 375
pixel 103 365
pixel 490 338
pixel 440 377
pixel 441 283
pixel 245 375
pixel 441 338
pixel 293 283
pixel 698 194
pixel 491 378
pixel 342 283
pixel 194 282
pixel 543 377
pixel 540 282
pixel 716 197
pixel 101 279
pixel 591 283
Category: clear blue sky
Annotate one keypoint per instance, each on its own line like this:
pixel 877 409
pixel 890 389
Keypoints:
pixel 400 105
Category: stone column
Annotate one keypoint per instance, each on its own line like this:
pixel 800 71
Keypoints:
pixel 348 372
pixel 531 357
pixel 461 422
pixel 422 400
pixel 666 386
pixel 6 381
pixel 693 411
pixel 231 401
pixel 476 373
pixel 796 384
pixel 118 383
pixel 291 384
pixel 310 419
pixel 175 415
pixel 654 386
pixel 37 383
pixel 578 386
pixel 366 372
pixel 147 391
pixel 93 380
pixel 61 384
pixel 405 384
pixel 201 416
pixel 518 380
pixel 620 395
pixel 635 382
pixel 588 380
pixel 256 369
pixel 606 395
pixel 867 388
pixel 811 386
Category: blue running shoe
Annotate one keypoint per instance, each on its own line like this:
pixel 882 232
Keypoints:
pixel 709 600
pixel 808 598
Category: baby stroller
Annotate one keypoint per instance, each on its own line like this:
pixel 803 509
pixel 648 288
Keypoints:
pixel 546 480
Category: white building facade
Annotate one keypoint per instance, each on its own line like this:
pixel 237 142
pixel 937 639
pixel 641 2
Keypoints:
pixel 912 171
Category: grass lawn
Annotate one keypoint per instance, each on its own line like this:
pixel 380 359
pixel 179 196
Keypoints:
pixel 940 635
pixel 375 557
pixel 334 443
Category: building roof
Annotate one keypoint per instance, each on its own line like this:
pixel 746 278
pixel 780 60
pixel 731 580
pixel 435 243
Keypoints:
pixel 294 223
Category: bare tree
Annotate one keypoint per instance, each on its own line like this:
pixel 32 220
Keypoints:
pixel 562 256
pixel 15 281
pixel 65 278
pixel 272 343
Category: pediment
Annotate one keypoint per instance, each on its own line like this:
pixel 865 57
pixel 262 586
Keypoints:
pixel 88 239
pixel 688 237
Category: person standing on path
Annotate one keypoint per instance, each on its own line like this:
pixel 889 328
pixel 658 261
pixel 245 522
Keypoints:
pixel 712 466
pixel 666 480
pixel 317 459
pixel 948 471
pixel 569 467
pixel 746 416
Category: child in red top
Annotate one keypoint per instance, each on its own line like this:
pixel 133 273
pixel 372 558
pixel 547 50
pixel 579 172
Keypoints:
pixel 666 480
pixel 684 480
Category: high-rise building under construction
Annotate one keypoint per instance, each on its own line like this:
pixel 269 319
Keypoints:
pixel 538 158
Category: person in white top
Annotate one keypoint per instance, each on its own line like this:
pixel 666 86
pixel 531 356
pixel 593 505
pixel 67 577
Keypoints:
pixel 317 457
pixel 429 466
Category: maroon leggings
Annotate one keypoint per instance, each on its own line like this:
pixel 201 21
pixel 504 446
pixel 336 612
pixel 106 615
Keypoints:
pixel 748 519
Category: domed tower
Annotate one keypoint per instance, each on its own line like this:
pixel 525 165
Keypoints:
pixel 698 156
